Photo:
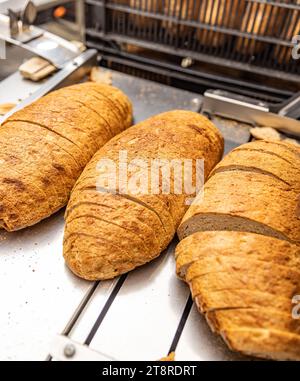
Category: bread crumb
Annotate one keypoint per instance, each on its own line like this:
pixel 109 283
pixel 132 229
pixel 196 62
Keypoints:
pixel 100 76
pixel 170 357
pixel 265 133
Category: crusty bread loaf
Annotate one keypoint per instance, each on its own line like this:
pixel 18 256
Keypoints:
pixel 45 146
pixel 110 231
pixel 240 251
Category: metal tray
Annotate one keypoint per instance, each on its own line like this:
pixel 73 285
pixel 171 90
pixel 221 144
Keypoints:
pixel 48 313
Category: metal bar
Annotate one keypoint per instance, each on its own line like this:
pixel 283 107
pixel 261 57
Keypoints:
pixel 193 23
pixel 181 325
pixel 105 310
pixel 185 77
pixel 70 325
pixel 77 313
pixel 201 57
pixel 235 107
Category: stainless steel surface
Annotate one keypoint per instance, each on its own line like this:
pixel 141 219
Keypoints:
pixel 39 294
pixel 15 89
pixel 230 106
pixel 143 319
pixel 28 91
pixel 292 109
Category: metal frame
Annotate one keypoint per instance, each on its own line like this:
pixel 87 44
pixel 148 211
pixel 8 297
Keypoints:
pixel 261 50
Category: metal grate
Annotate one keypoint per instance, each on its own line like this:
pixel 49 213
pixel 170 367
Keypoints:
pixel 250 36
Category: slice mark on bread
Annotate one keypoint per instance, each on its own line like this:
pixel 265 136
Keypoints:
pixel 65 125
pixel 189 253
pixel 140 213
pixel 155 247
pixel 221 222
pixel 27 143
pixel 82 203
pixel 266 318
pixel 269 153
pixel 131 198
pixel 142 225
pixel 286 283
pixel 292 148
pixel 33 183
pixel 245 168
pixel 240 298
pixel 209 264
pixel 97 218
pixel 52 131
pixel 108 128
pixel 114 95
pixel 112 105
pixel 86 101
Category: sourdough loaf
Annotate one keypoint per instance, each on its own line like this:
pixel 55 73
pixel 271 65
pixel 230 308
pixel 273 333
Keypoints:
pixel 240 249
pixel 110 231
pixel 45 146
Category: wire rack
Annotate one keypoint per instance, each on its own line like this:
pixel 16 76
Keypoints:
pixel 255 32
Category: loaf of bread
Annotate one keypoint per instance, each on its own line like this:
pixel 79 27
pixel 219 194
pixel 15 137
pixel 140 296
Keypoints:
pixel 113 228
pixel 240 249
pixel 45 146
